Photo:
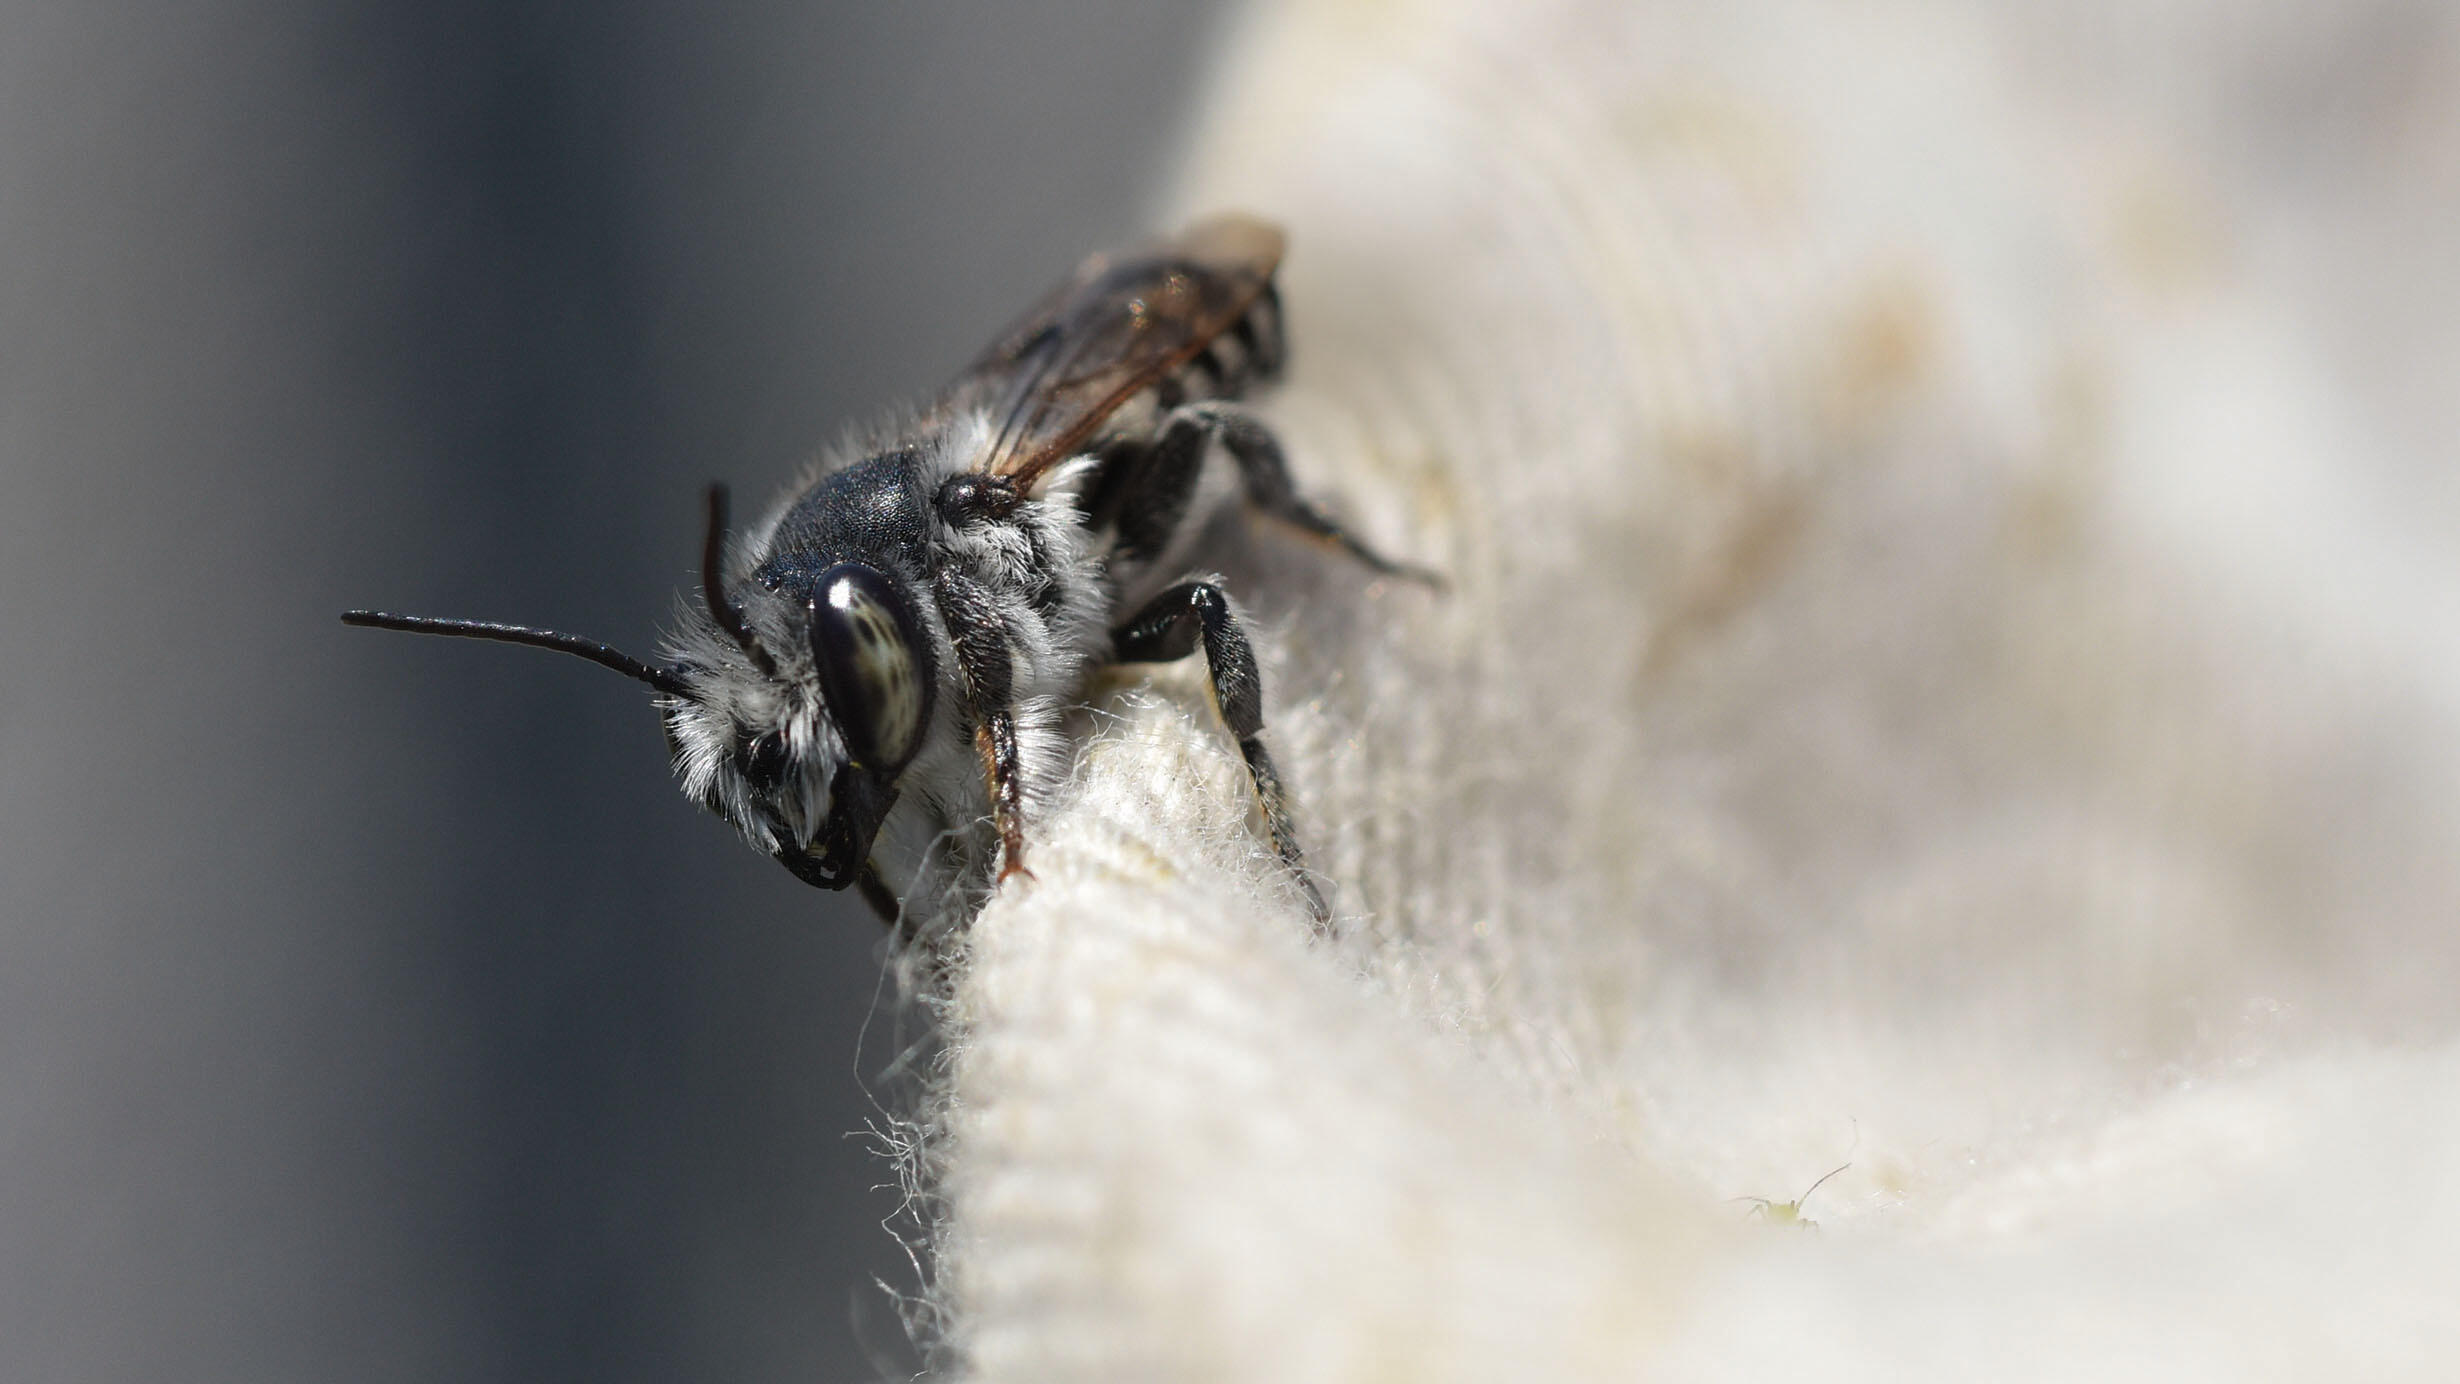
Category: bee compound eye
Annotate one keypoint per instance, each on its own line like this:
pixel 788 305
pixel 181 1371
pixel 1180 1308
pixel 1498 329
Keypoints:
pixel 874 667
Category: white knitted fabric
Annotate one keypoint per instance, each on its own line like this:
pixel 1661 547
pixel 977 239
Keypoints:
pixel 1950 667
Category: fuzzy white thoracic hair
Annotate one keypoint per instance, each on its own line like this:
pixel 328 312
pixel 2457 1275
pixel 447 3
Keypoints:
pixel 1950 667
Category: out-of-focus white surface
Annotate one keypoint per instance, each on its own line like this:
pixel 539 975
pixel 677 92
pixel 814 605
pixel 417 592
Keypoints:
pixel 1950 668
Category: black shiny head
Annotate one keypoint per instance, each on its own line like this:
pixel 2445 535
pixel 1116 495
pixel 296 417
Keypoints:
pixel 876 668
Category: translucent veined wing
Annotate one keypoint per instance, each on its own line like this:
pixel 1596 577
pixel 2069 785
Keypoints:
pixel 1115 328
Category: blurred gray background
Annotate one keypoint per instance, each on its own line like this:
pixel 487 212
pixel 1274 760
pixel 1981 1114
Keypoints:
pixel 373 1008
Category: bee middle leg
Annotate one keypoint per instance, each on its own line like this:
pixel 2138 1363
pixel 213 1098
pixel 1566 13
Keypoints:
pixel 1170 627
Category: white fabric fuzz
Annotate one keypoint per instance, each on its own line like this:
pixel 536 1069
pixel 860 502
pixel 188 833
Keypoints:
pixel 1949 667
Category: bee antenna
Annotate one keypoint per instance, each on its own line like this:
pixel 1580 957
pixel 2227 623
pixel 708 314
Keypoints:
pixel 605 656
pixel 722 608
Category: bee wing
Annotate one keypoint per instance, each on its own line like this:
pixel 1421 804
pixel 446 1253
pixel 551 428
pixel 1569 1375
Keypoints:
pixel 1112 330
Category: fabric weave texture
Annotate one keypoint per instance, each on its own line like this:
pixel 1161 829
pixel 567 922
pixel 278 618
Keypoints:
pixel 1948 668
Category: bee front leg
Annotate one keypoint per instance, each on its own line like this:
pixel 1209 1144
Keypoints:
pixel 1170 627
pixel 985 666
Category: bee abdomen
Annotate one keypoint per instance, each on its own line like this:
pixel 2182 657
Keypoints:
pixel 1247 353
pixel 1258 333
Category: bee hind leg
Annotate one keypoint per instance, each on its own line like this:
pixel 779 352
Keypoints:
pixel 1172 626
pixel 1264 474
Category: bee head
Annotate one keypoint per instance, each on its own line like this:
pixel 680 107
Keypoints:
pixel 806 694
pixel 790 712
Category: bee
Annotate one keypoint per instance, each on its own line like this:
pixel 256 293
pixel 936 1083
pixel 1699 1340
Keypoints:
pixel 880 664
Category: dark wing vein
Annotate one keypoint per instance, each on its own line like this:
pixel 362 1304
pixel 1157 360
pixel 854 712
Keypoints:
pixel 1114 329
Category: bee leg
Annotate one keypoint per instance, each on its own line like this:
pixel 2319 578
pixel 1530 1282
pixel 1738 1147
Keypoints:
pixel 1265 474
pixel 985 666
pixel 1169 628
